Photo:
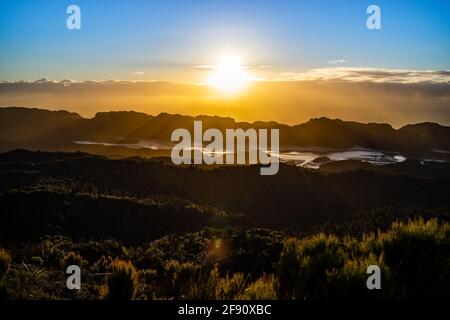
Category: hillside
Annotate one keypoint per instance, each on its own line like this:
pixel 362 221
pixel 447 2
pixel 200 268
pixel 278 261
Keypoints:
pixel 58 130
pixel 220 232
pixel 79 189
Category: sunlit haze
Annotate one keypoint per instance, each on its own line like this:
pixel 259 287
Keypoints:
pixel 229 76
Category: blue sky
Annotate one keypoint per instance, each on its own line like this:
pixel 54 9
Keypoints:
pixel 162 40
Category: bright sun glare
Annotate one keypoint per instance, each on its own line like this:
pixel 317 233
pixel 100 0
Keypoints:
pixel 229 76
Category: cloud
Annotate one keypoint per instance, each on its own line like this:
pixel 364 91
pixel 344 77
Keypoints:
pixel 338 61
pixel 203 66
pixel 377 75
pixel 211 67
pixel 43 80
pixel 138 73
pixel 336 74
pixel 390 96
pixel 264 66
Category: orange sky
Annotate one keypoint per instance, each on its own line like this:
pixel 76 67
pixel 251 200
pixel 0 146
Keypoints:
pixel 289 102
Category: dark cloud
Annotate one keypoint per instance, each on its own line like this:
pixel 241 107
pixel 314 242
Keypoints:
pixel 370 75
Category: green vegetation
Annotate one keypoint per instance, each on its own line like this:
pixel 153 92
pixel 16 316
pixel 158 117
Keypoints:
pixel 263 288
pixel 414 259
pixel 5 260
pixel 143 229
pixel 121 282
pixel 72 259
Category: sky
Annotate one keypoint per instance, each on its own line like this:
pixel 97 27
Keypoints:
pixel 304 58
pixel 165 40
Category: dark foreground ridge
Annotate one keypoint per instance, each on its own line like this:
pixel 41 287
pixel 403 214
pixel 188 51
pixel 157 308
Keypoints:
pixel 136 200
pixel 146 229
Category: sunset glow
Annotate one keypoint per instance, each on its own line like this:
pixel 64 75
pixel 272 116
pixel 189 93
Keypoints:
pixel 229 77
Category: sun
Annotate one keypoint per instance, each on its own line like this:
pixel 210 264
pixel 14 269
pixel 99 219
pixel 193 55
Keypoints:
pixel 229 77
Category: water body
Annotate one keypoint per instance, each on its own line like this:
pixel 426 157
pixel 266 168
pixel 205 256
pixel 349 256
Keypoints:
pixel 309 159
pixel 153 145
pixel 302 157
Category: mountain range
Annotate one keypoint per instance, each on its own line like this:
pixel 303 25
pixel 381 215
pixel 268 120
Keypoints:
pixel 39 129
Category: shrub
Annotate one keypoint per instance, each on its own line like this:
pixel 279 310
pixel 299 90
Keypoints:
pixel 230 288
pixel 104 264
pixel 51 254
pixel 148 275
pixel 37 260
pixel 184 276
pixel 349 282
pixel 204 288
pixel 5 261
pixel 189 280
pixel 121 284
pixel 304 266
pixel 72 258
pixel 288 271
pixel 414 259
pixel 418 253
pixel 318 256
pixel 262 289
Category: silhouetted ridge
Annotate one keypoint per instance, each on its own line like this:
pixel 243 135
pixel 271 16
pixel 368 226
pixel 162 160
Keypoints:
pixel 53 130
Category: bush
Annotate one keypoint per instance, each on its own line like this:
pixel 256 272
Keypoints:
pixel 104 264
pixel 51 254
pixel 182 277
pixel 188 280
pixel 262 289
pixel 349 282
pixel 305 265
pixel 318 256
pixel 205 286
pixel 418 253
pixel 230 288
pixel 5 261
pixel 288 271
pixel 414 259
pixel 72 258
pixel 121 284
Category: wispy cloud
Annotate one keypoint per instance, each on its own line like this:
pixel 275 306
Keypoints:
pixel 264 66
pixel 211 66
pixel 377 75
pixel 338 61
pixel 342 74
pixel 397 97
pixel 203 66
pixel 138 73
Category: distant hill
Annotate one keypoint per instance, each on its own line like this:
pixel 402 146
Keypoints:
pixel 22 126
pixel 413 168
pixel 142 199
pixel 57 130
